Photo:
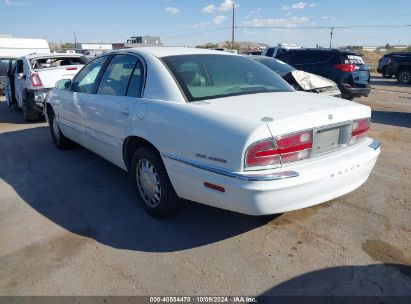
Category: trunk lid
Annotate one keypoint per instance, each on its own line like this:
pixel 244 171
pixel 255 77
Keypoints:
pixel 289 111
pixel 50 76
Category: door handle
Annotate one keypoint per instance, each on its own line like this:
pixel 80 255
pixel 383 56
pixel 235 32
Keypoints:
pixel 125 111
pixel 80 103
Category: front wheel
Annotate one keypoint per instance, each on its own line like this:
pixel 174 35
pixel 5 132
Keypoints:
pixel 153 187
pixel 404 77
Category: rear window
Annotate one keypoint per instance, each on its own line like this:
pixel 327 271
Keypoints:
pixel 214 76
pixel 51 62
pixel 352 59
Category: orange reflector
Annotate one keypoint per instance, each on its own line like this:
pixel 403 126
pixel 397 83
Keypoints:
pixel 214 187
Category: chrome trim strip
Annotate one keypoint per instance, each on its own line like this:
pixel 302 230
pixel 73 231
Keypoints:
pixel 375 144
pixel 242 176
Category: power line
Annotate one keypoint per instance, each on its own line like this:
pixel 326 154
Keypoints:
pixel 322 27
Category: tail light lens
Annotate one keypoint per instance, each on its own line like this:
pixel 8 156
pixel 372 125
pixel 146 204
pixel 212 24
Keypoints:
pixel 283 149
pixel 35 80
pixel 71 69
pixel 262 154
pixel 345 67
pixel 360 128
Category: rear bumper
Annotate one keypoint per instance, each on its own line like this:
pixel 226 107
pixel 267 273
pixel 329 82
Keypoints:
pixel 355 92
pixel 36 99
pixel 311 183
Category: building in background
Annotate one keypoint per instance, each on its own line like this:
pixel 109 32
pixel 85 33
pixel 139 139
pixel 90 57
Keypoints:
pixel 92 47
pixel 139 41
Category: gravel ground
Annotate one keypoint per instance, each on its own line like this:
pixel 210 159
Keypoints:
pixel 70 225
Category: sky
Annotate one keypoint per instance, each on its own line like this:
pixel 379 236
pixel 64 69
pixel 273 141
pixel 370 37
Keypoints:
pixel 189 23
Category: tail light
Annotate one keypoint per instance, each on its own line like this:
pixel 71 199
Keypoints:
pixel 35 80
pixel 360 128
pixel 345 67
pixel 283 149
pixel 71 69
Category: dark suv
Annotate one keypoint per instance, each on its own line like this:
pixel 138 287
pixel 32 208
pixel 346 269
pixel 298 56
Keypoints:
pixel 347 69
pixel 398 64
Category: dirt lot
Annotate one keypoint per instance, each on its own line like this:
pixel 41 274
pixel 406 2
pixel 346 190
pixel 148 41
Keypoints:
pixel 70 225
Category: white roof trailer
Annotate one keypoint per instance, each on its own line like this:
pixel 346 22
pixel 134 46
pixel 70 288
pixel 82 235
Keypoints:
pixel 17 47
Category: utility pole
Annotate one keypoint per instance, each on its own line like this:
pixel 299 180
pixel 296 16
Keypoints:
pixel 331 36
pixel 232 31
pixel 75 39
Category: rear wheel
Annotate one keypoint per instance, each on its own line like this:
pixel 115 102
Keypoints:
pixel 404 77
pixel 28 114
pixel 153 187
pixel 60 141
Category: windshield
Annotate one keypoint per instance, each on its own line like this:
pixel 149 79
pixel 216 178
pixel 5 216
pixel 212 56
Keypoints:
pixel 281 68
pixel 214 76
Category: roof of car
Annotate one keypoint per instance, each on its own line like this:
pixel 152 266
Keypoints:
pixel 175 51
pixel 46 55
pixel 323 50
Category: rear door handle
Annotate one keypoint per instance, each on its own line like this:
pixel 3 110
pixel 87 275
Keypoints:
pixel 125 111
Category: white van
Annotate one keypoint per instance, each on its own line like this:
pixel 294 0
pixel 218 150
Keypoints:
pixel 13 48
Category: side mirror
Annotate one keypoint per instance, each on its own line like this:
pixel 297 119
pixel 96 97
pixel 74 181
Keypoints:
pixel 63 84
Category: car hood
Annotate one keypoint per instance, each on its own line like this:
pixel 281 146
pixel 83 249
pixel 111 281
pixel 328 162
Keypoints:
pixel 310 81
pixel 286 112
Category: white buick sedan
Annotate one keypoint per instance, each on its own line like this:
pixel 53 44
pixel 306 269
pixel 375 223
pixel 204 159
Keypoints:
pixel 215 128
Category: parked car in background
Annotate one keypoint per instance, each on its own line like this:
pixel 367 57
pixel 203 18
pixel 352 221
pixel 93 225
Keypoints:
pixel 12 48
pixel 255 53
pixel 33 75
pixel 399 64
pixel 212 127
pixel 275 51
pixel 5 64
pixel 385 66
pixel 347 69
pixel 300 80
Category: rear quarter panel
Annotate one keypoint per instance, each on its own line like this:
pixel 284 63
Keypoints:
pixel 188 131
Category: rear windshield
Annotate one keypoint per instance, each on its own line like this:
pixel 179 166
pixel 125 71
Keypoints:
pixel 214 76
pixel 352 59
pixel 52 62
pixel 281 68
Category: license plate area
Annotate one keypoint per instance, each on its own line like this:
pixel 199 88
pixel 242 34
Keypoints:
pixel 328 139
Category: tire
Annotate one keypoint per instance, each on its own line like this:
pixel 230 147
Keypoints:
pixel 404 77
pixel 348 97
pixel 60 141
pixel 385 75
pixel 29 115
pixel 153 187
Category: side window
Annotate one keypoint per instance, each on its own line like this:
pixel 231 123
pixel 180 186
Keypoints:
pixel 270 52
pixel 308 57
pixel 20 69
pixel 285 57
pixel 84 81
pixel 325 56
pixel 117 75
pixel 280 51
pixel 136 82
